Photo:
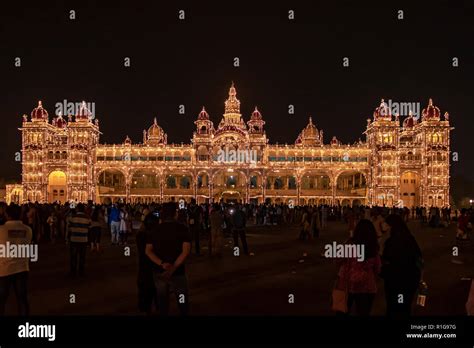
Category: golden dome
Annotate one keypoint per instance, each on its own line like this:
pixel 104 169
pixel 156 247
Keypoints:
pixel 431 112
pixel 383 111
pixel 155 131
pixel 156 134
pixel 310 135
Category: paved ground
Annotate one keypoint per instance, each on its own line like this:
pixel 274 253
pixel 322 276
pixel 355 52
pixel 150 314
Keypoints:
pixel 245 285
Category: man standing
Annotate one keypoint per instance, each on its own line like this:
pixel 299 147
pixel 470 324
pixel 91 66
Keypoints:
pixel 79 225
pixel 114 222
pixel 168 245
pixel 146 286
pixel 14 270
pixel 194 223
pixel 238 228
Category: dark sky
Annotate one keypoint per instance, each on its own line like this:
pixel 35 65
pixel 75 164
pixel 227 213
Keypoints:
pixel 190 62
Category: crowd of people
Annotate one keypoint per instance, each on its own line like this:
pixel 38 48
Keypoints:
pixel 167 233
pixel 391 253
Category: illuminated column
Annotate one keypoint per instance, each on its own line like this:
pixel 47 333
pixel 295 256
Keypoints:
pixel 195 187
pixel 298 189
pixel 247 188
pixel 211 184
pixel 333 186
pixel 127 189
pixel 162 183
pixel 264 186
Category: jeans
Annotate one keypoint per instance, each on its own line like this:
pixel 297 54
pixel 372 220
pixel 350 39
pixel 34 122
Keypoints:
pixel 176 283
pixel 115 230
pixel 19 282
pixel 78 251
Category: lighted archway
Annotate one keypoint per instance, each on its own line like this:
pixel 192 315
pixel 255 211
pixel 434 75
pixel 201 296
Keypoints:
pixel 57 186
pixel 410 184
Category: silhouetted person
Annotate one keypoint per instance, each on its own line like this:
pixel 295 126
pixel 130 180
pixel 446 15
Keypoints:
pixel 401 267
pixel 194 223
pixel 168 245
pixel 238 228
pixel 145 282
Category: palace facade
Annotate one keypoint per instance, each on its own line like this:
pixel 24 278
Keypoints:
pixel 399 163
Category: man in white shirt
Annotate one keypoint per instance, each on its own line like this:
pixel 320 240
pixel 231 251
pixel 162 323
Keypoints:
pixel 13 269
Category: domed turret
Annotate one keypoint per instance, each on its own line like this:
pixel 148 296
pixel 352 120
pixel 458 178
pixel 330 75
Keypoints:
pixel 383 112
pixel 84 114
pixel 39 113
pixel 256 115
pixel 335 142
pixel 203 115
pixel 204 125
pixel 256 122
pixel 310 135
pixel 155 134
pixel 59 121
pixel 431 112
pixel 410 121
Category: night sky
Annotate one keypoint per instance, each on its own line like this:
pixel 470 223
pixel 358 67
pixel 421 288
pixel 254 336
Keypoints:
pixel 190 62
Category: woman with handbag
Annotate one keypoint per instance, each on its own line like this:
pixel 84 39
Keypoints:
pixel 358 275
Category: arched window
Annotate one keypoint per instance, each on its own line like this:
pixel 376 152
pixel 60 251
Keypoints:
pixel 436 138
pixel 253 182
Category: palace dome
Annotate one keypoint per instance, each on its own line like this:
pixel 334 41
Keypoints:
pixel 383 111
pixel 431 112
pixel 256 115
pixel 203 115
pixel 410 121
pixel 59 121
pixel 155 134
pixel 84 113
pixel 310 135
pixel 39 113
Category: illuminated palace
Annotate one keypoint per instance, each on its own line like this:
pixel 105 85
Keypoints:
pixel 399 163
